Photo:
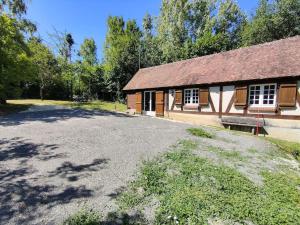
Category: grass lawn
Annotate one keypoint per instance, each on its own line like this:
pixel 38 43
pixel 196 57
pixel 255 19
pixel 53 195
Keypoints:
pixel 292 148
pixel 193 190
pixel 19 105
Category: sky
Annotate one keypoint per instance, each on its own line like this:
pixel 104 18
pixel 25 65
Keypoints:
pixel 87 18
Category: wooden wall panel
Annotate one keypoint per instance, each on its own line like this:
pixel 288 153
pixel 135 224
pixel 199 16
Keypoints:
pixel 287 95
pixel 139 102
pixel 131 101
pixel 178 97
pixel 159 101
pixel 241 96
pixel 204 97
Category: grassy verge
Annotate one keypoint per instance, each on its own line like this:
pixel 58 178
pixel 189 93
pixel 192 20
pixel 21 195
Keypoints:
pixel 12 108
pixel 193 190
pixel 200 133
pixel 95 105
pixel 292 148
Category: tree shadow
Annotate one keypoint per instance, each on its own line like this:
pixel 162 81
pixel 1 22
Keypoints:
pixel 52 116
pixel 22 201
pixel 18 148
pixel 72 172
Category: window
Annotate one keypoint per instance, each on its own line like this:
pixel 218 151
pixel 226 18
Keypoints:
pixel 262 95
pixel 191 96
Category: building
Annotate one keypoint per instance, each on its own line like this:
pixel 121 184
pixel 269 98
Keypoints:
pixel 261 81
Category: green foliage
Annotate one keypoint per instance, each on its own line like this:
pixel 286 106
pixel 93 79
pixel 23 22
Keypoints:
pixel 292 148
pixel 83 217
pixel 199 132
pixel 15 66
pixel 273 20
pixel 121 55
pixel 193 190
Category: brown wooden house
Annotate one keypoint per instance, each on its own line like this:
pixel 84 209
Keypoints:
pixel 261 81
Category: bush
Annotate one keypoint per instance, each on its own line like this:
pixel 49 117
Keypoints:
pixel 200 132
pixel 83 217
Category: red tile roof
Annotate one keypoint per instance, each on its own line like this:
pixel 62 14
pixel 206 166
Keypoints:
pixel 269 60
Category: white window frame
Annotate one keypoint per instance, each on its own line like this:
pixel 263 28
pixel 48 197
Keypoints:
pixel 191 97
pixel 261 96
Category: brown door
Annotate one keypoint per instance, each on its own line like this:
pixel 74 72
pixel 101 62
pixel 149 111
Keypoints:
pixel 138 102
pixel 159 105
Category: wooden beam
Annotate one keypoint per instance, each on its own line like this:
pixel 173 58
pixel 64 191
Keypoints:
pixel 230 104
pixel 221 102
pixel 211 102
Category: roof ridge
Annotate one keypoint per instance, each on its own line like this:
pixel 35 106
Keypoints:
pixel 224 52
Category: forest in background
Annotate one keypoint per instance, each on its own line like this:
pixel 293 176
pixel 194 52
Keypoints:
pixel 184 29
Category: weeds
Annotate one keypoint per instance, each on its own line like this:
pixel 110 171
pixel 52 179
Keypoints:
pixel 199 132
pixel 292 148
pixel 200 190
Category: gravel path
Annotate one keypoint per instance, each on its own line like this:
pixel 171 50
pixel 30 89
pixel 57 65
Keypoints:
pixel 54 161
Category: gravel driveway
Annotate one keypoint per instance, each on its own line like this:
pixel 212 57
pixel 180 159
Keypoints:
pixel 53 162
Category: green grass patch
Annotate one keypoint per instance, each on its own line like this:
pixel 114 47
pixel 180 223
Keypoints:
pixel 292 148
pixel 84 217
pixel 10 108
pixel 94 105
pixel 199 190
pixel 199 132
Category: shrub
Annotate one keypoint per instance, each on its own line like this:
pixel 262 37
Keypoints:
pixel 83 217
pixel 200 132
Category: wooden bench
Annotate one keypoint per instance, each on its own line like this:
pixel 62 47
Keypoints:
pixel 243 122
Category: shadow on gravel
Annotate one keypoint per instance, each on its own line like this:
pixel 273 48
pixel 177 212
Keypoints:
pixel 72 172
pixel 18 148
pixel 54 115
pixel 21 201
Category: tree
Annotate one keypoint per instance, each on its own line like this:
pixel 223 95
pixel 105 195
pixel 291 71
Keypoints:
pixel 121 54
pixel 15 66
pixel 273 20
pixel 88 52
pixel 150 54
pixel 172 30
pixel 45 64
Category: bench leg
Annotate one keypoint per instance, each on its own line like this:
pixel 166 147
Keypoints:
pixel 253 131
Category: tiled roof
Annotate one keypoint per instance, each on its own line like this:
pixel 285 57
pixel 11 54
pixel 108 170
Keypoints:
pixel 269 60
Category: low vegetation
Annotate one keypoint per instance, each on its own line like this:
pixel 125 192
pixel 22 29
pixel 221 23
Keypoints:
pixel 83 217
pixel 292 148
pixel 17 105
pixel 193 190
pixel 199 132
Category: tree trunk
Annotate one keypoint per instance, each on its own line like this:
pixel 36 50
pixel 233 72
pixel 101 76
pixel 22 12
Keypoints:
pixel 2 101
pixel 42 93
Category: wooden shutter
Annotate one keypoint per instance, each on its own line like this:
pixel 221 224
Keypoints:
pixel 178 97
pixel 203 97
pixel 241 94
pixel 287 95
pixel 159 103
pixel 138 102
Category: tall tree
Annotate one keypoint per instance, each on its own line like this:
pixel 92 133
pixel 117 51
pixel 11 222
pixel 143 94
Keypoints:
pixel 273 20
pixel 88 52
pixel 172 30
pixel 121 53
pixel 45 64
pixel 14 58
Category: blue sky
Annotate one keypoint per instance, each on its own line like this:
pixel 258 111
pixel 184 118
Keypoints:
pixel 87 18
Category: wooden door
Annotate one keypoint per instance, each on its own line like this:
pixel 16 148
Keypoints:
pixel 138 102
pixel 159 103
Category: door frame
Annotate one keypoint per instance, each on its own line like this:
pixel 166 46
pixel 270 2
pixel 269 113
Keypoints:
pixel 148 113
